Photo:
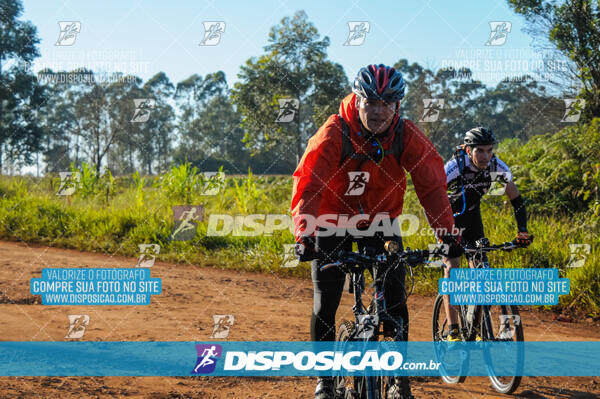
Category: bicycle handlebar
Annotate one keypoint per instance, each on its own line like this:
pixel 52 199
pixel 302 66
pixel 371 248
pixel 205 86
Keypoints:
pixel 347 259
pixel 483 245
pixel 412 257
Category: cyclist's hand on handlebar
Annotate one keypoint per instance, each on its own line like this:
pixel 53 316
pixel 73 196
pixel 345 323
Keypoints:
pixel 305 248
pixel 523 239
pixel 454 249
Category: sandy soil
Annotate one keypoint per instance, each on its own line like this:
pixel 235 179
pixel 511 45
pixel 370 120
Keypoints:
pixel 279 311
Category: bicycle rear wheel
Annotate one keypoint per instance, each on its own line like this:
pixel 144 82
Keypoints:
pixel 502 323
pixel 347 387
pixel 453 364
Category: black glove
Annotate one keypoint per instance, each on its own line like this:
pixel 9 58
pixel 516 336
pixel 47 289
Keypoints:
pixel 454 248
pixel 523 239
pixel 305 249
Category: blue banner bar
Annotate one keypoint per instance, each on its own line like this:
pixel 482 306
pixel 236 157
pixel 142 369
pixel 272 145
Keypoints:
pixel 298 358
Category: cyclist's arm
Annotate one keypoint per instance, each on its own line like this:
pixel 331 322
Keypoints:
pixel 512 191
pixel 514 196
pixel 319 162
pixel 518 205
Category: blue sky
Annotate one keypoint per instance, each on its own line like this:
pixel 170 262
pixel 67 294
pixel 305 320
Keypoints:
pixel 145 37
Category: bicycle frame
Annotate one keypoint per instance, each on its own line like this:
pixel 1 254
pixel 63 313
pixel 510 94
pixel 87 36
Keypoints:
pixel 369 320
pixel 482 311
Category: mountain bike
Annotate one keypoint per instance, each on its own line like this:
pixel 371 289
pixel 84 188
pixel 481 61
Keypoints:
pixel 369 322
pixel 484 323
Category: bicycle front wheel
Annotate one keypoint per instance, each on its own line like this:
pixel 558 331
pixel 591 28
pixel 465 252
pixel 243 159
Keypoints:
pixel 502 323
pixel 453 364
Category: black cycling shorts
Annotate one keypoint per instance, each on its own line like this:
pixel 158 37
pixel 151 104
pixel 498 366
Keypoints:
pixel 471 227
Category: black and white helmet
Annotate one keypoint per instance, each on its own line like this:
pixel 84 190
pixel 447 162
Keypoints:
pixel 480 136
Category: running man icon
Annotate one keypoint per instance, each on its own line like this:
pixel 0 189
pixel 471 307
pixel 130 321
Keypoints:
pixel 207 358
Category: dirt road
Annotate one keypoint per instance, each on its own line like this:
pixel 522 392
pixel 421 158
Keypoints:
pixel 265 307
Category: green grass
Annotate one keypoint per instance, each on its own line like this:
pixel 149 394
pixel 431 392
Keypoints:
pixel 114 215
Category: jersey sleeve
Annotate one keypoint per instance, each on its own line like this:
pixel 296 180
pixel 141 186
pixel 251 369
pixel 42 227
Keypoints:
pixel 451 169
pixel 311 177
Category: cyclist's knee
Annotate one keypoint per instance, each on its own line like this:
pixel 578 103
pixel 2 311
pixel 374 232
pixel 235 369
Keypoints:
pixel 450 264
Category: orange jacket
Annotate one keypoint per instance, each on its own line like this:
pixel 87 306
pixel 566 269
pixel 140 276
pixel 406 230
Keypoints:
pixel 321 182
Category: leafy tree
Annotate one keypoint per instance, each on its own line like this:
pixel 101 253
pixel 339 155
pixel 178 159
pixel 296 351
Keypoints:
pixel 460 95
pixel 62 143
pixel 126 141
pixel 191 96
pixel 58 121
pixel 157 134
pixel 573 28
pixel 295 66
pixel 20 94
pixel 519 108
pixel 94 124
pixel 220 125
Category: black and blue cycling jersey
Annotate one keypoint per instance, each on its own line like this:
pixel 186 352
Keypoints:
pixel 467 184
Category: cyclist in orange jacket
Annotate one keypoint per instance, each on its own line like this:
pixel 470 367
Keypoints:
pixel 352 176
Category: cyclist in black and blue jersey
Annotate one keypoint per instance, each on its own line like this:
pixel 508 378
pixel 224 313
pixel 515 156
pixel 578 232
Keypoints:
pixel 469 176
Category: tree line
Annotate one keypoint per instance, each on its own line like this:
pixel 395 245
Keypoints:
pixel 120 122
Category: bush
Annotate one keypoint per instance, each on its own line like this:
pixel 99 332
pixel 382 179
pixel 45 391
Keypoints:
pixel 559 173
